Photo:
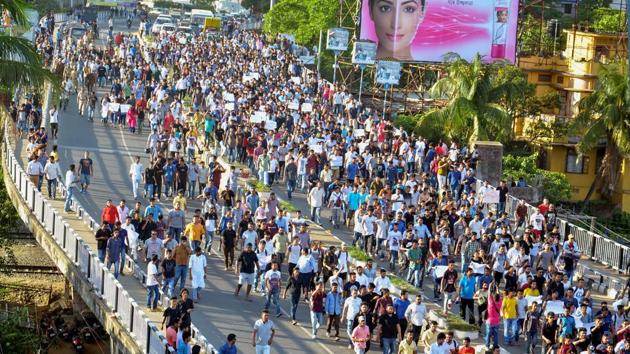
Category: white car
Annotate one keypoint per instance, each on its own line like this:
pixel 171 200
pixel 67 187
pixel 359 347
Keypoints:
pixel 168 28
pixel 161 20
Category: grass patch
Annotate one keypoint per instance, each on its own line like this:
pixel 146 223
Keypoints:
pixel 258 185
pixel 286 206
pixel 358 254
pixel 402 284
pixel 456 323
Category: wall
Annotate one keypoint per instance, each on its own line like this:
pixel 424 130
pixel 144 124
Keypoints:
pixel 556 162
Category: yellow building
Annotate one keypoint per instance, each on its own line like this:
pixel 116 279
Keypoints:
pixel 574 75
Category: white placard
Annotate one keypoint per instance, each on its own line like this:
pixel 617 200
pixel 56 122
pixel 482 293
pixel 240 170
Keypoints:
pixel 113 107
pixel 257 117
pixel 364 53
pixel 271 125
pixel 296 80
pixel 229 106
pixel 388 72
pixel 337 39
pixel 247 78
pixel 557 307
pixel 439 271
pixel 229 97
pixel 124 108
pixel 359 133
pixel 580 324
pixel 294 105
pixel 307 107
pixel 336 161
pixel 316 148
pixel 531 299
pixel 491 196
pixel 478 268
pixel 256 76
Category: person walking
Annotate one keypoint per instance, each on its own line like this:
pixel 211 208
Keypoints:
pixel 230 345
pixel 264 331
pixel 197 267
pixel 415 315
pixel 53 175
pixel 195 232
pixel 290 175
pixel 273 284
pixel 153 283
pixel 114 246
pixel 316 200
pixel 34 169
pixel 168 266
pixel 70 182
pixel 509 314
pixel 248 262
pixel 136 172
pixel 360 336
pixel 390 330
pixel 228 242
pixel 86 169
pixel 102 236
pixel 53 115
pixel 181 253
pixel 294 287
pixel 333 306
pixel 466 295
pixel 317 308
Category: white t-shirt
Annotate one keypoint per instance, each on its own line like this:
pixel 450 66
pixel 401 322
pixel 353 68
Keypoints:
pixel 381 283
pixel 393 240
pixel 368 224
pixel 354 306
pixel 274 277
pixel 152 273
pixel 249 237
pixel 294 253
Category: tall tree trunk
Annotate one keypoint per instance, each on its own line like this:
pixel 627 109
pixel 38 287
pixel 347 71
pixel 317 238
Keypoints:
pixel 613 171
pixel 596 181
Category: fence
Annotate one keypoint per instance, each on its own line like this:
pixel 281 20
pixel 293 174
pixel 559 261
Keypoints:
pixel 597 247
pixel 129 313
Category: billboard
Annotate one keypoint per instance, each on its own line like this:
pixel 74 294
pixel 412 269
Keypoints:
pixel 425 30
pixel 364 53
pixel 388 72
pixel 337 39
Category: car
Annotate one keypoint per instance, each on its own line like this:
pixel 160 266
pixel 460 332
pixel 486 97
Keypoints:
pixel 169 28
pixel 185 29
pixel 75 30
pixel 159 21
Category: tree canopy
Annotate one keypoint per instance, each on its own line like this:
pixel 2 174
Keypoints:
pixel 303 18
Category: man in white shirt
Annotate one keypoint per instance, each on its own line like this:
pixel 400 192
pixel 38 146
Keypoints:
pixel 53 175
pixel 316 200
pixel 249 236
pixel 35 170
pixel 136 172
pixel 415 315
pixel 153 283
pixel 368 225
pixel 54 122
pixel 70 182
pixel 440 347
pixel 351 307
pixel 382 281
pixel 537 220
pixel 123 210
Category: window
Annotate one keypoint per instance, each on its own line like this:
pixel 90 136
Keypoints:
pixel 575 165
pixel 560 80
pixel 544 78
pixel 568 8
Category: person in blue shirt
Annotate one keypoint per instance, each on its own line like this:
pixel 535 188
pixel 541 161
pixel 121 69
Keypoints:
pixel 567 323
pixel 230 346
pixel 400 306
pixel 466 294
pixel 392 175
pixel 153 209
pixel 169 173
pixel 352 170
pixel 454 177
pixel 486 278
pixel 333 305
pixel 439 260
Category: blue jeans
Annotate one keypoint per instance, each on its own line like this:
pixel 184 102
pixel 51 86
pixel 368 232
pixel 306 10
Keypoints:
pixel 175 231
pixel 167 286
pixel 393 259
pixel 492 331
pixel 116 264
pixel 148 188
pixel 196 292
pixel 389 345
pixel 263 349
pixel 510 329
pixel 122 259
pixel 273 296
pixel 181 271
pixel 295 301
pixel 152 296
pixel 317 318
pixel 101 254
pixel 69 196
pixel 531 339
pixel 290 187
pixel 415 276
pixel 195 244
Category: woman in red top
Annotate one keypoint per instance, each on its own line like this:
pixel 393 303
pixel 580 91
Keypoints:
pixel 132 119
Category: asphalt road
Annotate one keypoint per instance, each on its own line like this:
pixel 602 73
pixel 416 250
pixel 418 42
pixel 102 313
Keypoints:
pixel 219 312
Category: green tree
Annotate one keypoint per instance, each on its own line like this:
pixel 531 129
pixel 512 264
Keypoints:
pixel 257 6
pixel 606 114
pixel 303 18
pixel 556 186
pixel 15 337
pixel 20 64
pixel 473 97
pixel 608 20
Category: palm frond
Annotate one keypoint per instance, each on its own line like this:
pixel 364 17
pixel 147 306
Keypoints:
pixel 17 49
pixel 17 10
pixel 15 73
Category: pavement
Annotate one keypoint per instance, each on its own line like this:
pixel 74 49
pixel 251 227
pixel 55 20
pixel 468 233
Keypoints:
pixel 218 312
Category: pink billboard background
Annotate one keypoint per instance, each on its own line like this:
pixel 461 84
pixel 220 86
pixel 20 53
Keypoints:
pixel 461 26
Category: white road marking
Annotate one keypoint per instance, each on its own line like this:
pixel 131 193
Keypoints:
pixel 92 149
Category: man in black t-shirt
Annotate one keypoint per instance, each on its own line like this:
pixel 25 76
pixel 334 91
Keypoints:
pixel 171 314
pixel 347 287
pixel 390 330
pixel 248 262
pixel 228 240
pixel 449 284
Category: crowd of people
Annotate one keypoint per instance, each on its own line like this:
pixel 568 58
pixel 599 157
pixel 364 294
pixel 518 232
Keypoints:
pixel 217 107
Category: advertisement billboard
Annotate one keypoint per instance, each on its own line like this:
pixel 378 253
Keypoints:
pixel 426 30
pixel 364 53
pixel 388 72
pixel 337 39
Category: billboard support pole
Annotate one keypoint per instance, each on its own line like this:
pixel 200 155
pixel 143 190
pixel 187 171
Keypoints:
pixel 335 67
pixel 319 53
pixel 385 100
pixel 362 67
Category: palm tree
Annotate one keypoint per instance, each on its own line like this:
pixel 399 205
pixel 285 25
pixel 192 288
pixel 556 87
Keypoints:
pixel 473 99
pixel 606 114
pixel 20 64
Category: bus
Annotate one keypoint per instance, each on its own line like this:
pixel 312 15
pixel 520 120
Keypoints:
pixel 198 17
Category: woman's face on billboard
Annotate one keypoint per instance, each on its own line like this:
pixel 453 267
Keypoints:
pixel 396 23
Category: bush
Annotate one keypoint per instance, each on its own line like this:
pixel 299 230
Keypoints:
pixel 555 184
pixel 286 206
pixel 409 123
pixel 358 255
pixel 258 185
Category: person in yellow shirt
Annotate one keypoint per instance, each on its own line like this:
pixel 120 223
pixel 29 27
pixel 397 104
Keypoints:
pixel 531 289
pixel 408 346
pixel 429 337
pixel 180 199
pixel 195 231
pixel 510 316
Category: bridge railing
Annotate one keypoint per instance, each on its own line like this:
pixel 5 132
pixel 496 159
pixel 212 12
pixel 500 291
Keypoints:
pixel 118 300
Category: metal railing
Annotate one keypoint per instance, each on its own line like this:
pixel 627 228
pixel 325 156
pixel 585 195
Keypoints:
pixel 128 312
